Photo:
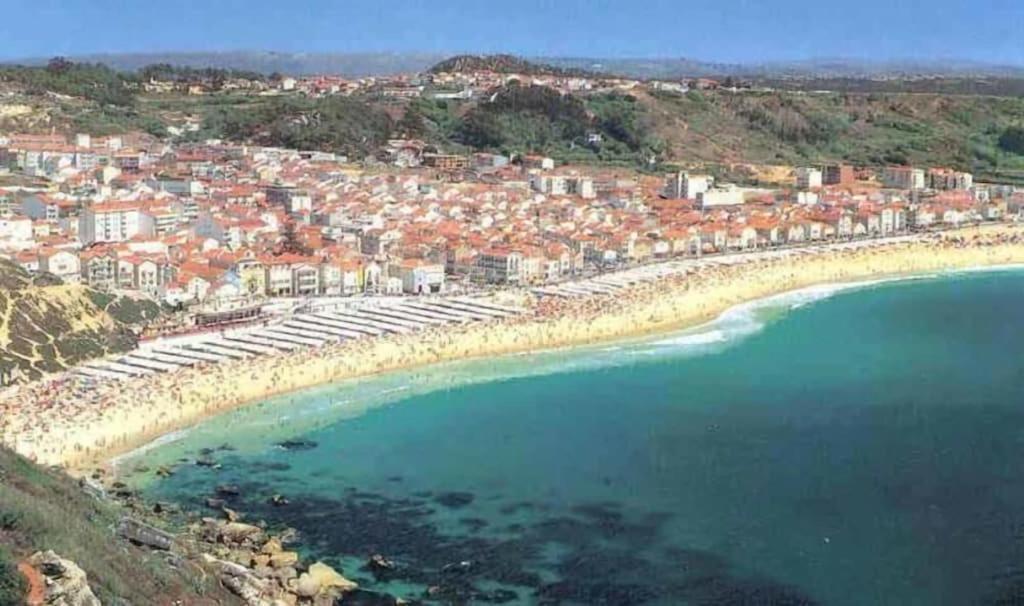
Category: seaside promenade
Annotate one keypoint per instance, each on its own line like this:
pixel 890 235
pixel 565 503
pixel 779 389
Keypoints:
pixel 82 417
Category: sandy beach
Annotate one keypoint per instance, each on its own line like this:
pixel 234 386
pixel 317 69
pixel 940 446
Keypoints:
pixel 62 421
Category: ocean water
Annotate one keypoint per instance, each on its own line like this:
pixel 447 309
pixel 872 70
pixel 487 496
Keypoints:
pixel 837 445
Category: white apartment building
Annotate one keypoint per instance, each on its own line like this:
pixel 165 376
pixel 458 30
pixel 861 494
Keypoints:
pixel 808 178
pixel 726 195
pixel 903 177
pixel 113 222
pixel 501 266
pixel 687 186
pixel 939 178
pixel 563 185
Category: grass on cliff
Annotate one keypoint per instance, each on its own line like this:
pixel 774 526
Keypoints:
pixel 12 585
pixel 42 509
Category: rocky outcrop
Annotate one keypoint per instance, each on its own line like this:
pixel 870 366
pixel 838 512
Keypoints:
pixel 143 534
pixel 242 582
pixel 322 583
pixel 263 573
pixel 233 534
pixel 65 583
pixel 267 585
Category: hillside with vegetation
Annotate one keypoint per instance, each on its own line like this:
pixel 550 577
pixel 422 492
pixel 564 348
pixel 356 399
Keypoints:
pixel 43 510
pixel 976 132
pixel 535 119
pixel 979 133
pixel 47 326
pixel 868 129
pixel 503 64
pixel 339 124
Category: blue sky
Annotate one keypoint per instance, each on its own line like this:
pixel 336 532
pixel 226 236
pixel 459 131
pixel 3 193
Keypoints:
pixel 719 30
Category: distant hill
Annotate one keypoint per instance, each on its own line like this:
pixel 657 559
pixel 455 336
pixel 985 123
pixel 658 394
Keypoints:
pixel 352 65
pixel 383 64
pixel 47 326
pixel 671 68
pixel 504 64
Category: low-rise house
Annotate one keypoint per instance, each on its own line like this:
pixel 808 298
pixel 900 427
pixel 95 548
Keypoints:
pixel 421 277
pixel 62 263
pixel 742 237
pixel 99 268
pixel 16 233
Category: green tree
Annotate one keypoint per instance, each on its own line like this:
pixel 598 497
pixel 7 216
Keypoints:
pixel 290 242
pixel 1012 140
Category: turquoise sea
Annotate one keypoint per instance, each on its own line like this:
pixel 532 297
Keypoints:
pixel 858 445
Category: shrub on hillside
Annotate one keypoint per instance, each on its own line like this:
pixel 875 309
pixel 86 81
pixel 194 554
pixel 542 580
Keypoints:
pixel 12 584
pixel 1012 140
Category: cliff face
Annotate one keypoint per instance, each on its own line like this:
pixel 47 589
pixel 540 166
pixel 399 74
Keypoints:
pixel 59 539
pixel 46 326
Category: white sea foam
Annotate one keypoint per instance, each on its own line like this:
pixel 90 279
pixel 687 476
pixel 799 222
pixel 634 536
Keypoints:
pixel 700 338
pixel 163 440
pixel 746 319
pixel 400 388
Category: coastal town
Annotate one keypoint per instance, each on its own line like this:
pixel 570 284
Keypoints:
pixel 258 254
pixel 213 224
pixel 346 303
pixel 276 270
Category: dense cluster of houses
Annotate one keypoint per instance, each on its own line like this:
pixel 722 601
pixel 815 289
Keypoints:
pixel 219 222
pixel 456 85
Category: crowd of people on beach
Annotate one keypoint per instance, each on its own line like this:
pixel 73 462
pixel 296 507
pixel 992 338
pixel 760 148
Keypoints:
pixel 76 421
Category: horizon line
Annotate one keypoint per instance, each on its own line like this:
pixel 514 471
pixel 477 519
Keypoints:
pixel 448 54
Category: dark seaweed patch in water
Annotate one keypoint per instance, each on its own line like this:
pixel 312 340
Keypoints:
pixel 474 524
pixel 606 556
pixel 517 507
pixel 362 597
pixel 454 500
pixel 600 592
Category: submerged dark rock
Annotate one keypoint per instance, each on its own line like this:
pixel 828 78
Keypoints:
pixel 228 490
pixel 297 444
pixel 381 568
pixel 377 562
pixel 457 567
pixel 454 500
pixel 497 596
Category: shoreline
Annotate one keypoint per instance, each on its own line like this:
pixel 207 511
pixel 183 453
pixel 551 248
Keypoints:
pixel 171 437
pixel 141 411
